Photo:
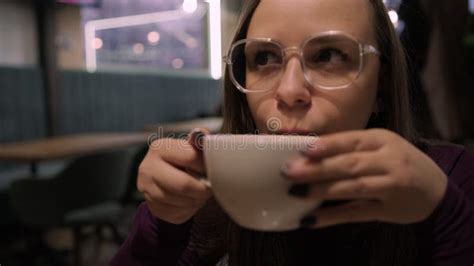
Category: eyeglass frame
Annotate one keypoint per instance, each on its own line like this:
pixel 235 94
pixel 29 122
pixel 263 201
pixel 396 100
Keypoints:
pixel 364 49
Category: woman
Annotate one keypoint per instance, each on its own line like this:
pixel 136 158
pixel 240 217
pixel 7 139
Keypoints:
pixel 334 68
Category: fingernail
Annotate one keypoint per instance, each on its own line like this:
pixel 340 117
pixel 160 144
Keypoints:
pixel 333 203
pixel 308 221
pixel 285 168
pixel 299 190
pixel 304 151
pixel 206 182
pixel 197 139
pixel 307 148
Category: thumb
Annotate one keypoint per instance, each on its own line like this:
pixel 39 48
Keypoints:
pixel 196 138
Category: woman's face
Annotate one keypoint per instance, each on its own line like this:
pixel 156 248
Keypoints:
pixel 293 104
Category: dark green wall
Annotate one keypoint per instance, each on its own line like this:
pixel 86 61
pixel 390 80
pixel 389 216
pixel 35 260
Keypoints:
pixel 101 101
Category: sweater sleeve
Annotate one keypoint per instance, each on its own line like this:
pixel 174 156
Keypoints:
pixel 453 219
pixel 152 241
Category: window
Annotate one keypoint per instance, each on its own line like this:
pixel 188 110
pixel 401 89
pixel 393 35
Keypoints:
pixel 153 35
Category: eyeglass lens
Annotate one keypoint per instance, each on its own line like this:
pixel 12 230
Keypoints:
pixel 328 61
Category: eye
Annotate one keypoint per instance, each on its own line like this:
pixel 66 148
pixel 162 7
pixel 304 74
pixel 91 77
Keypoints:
pixel 329 55
pixel 263 58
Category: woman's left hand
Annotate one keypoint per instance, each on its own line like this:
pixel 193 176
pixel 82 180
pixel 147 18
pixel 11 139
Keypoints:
pixel 385 177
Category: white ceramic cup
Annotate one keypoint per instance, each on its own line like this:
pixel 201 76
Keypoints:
pixel 245 176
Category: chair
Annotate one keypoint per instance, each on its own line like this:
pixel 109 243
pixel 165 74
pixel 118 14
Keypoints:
pixel 132 196
pixel 87 192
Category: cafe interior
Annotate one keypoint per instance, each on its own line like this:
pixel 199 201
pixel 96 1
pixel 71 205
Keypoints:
pixel 86 85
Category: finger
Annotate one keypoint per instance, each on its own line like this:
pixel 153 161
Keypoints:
pixel 334 144
pixel 196 138
pixel 343 166
pixel 168 213
pixel 353 212
pixel 372 187
pixel 201 178
pixel 177 181
pixel 180 153
pixel 157 194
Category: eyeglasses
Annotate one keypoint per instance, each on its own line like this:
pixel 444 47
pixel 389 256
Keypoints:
pixel 330 60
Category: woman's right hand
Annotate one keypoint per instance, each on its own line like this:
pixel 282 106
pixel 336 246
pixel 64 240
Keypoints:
pixel 171 178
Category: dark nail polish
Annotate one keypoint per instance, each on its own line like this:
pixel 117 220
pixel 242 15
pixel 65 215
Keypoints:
pixel 299 190
pixel 333 203
pixel 308 221
pixel 197 139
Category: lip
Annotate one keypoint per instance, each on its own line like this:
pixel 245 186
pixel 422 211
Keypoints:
pixel 294 131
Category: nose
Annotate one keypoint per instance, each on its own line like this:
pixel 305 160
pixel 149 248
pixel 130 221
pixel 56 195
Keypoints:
pixel 293 89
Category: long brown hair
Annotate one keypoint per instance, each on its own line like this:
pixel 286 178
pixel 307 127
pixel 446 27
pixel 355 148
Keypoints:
pixel 381 244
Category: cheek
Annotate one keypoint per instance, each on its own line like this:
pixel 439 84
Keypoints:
pixel 349 108
pixel 359 101
pixel 260 107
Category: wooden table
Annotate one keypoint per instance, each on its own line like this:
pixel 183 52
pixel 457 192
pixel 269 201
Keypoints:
pixel 213 124
pixel 67 146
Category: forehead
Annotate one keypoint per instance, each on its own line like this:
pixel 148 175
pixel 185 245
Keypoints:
pixel 291 22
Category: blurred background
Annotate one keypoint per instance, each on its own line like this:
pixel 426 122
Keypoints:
pixel 85 84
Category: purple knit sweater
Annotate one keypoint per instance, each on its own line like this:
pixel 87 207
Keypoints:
pixel 451 226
